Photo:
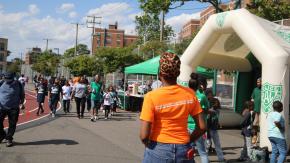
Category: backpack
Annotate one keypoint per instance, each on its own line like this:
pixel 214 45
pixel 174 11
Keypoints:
pixel 20 86
pixel 259 154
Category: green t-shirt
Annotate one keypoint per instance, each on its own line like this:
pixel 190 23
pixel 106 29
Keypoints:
pixel 256 95
pixel 204 105
pixel 96 91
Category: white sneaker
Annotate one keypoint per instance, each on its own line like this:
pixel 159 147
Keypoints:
pixel 106 118
pixel 110 115
pixel 96 117
pixel 53 115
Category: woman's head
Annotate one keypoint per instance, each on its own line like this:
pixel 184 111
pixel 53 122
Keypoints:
pixel 193 81
pixel 111 88
pixel 67 83
pixel 56 81
pixel 278 106
pixel 249 105
pixel 202 83
pixel 169 67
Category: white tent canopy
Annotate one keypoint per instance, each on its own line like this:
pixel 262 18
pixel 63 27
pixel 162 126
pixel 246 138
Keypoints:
pixel 224 43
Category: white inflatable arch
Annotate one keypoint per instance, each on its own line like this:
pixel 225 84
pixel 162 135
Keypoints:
pixel 225 41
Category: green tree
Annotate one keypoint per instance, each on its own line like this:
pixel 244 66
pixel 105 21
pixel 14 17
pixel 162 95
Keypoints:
pixel 46 63
pixel 270 9
pixel 153 48
pixel 84 65
pixel 82 49
pixel 114 59
pixel 15 66
pixel 148 24
pixel 181 46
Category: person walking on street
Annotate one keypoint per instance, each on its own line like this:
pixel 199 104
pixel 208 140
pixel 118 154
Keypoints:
pixel 40 89
pixel 164 117
pixel 22 80
pixel 11 101
pixel 108 100
pixel 256 98
pixel 276 133
pixel 247 124
pixel 96 97
pixel 66 94
pixel 79 92
pixel 196 85
pixel 54 94
pixel 213 124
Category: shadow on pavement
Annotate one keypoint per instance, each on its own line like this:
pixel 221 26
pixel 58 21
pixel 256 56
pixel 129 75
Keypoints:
pixel 46 142
pixel 231 148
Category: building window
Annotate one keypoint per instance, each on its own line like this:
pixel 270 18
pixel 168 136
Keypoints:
pixel 1 68
pixel 118 36
pixel 2 57
pixel 109 35
pixel 108 41
pixel 2 46
pixel 118 43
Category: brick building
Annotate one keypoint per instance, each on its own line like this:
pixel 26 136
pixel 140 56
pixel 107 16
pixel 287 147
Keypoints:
pixel 112 37
pixel 189 28
pixel 3 54
pixel 29 55
pixel 205 14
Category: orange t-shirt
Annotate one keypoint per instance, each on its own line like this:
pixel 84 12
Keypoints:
pixel 168 108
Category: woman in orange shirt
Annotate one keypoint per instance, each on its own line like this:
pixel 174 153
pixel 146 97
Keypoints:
pixel 164 117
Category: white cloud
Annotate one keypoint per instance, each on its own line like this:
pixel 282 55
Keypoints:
pixel 1 6
pixel 120 12
pixel 33 9
pixel 24 31
pixel 72 14
pixel 178 21
pixel 66 7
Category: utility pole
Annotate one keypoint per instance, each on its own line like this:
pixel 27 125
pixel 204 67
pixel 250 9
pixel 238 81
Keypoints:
pixel 77 33
pixel 47 39
pixel 91 22
pixel 162 25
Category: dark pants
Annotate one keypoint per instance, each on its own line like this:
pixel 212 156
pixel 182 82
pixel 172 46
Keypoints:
pixel 53 105
pixel 81 104
pixel 66 105
pixel 40 108
pixel 89 103
pixel 12 119
pixel 107 110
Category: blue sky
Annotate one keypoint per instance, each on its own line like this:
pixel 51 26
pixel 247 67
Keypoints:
pixel 27 22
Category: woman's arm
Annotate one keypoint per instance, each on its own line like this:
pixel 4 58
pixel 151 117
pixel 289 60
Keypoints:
pixel 145 132
pixel 200 127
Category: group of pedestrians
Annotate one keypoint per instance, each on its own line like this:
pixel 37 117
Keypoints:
pixel 90 95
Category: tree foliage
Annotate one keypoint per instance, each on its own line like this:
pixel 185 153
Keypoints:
pixel 81 50
pixel 113 59
pixel 270 9
pixel 148 24
pixel 181 46
pixel 15 66
pixel 84 65
pixel 46 63
pixel 152 48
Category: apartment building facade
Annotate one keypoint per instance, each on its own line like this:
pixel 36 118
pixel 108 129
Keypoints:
pixel 111 37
